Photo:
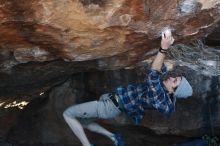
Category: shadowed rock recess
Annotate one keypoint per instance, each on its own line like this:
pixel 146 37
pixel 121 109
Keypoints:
pixel 55 53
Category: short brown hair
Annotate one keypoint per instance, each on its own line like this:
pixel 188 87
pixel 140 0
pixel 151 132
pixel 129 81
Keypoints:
pixel 173 73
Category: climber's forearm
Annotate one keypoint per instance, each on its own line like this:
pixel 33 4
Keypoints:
pixel 158 61
pixel 166 41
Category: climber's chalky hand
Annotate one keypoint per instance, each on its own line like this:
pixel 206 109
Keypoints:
pixel 167 39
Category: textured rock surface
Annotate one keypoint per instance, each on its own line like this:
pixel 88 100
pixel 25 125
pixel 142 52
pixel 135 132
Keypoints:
pixel 44 42
pixel 112 33
pixel 214 38
pixel 79 30
pixel 117 33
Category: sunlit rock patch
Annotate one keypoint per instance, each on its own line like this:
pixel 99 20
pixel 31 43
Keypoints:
pixel 18 104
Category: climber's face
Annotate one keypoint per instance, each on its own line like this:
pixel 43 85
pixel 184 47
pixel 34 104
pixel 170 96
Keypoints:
pixel 171 84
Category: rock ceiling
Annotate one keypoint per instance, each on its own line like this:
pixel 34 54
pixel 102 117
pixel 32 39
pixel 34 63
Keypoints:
pixel 79 30
pixel 43 40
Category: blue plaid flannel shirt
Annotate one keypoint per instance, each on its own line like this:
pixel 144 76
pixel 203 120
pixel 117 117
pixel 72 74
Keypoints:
pixel 138 98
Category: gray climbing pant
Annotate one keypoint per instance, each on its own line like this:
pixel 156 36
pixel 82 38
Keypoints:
pixel 87 112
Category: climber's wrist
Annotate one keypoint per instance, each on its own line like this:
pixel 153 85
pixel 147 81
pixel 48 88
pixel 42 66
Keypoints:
pixel 163 51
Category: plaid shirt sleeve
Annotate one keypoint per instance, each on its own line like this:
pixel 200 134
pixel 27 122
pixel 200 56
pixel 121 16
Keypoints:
pixel 157 96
